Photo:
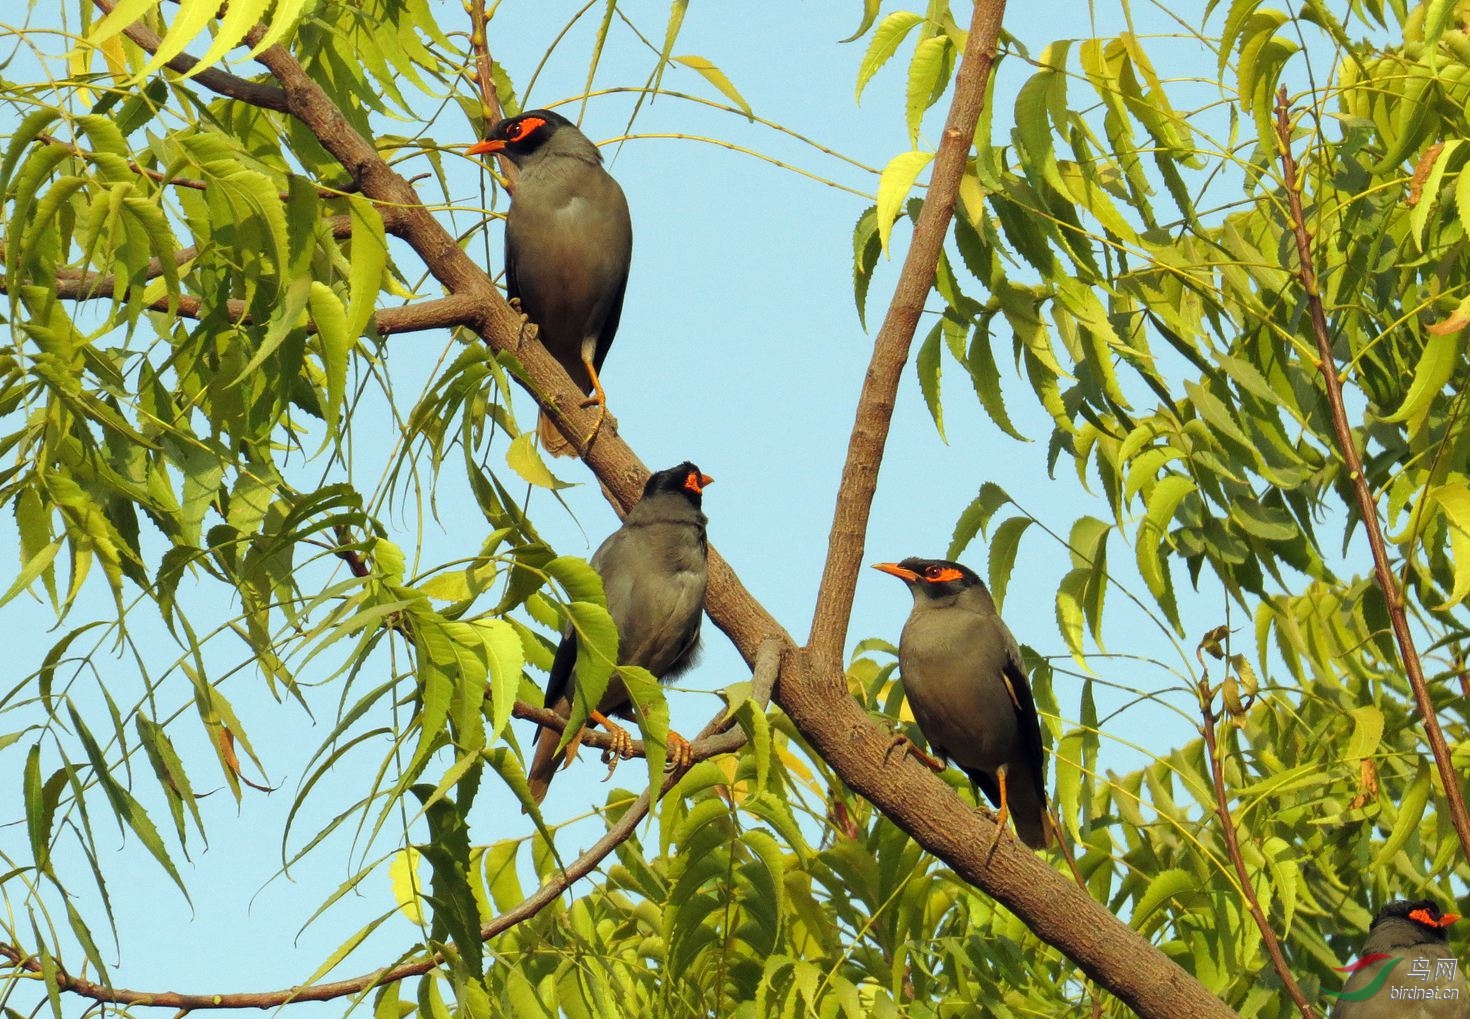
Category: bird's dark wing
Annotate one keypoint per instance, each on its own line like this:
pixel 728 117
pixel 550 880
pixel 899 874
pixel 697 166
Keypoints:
pixel 610 324
pixel 559 681
pixel 1027 722
pixel 512 285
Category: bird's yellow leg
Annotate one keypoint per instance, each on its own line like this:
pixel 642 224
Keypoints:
pixel 598 399
pixel 622 747
pixel 680 753
pixel 1003 815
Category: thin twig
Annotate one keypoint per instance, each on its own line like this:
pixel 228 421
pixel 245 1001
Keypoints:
pixel 718 737
pixel 891 347
pixel 1393 594
pixel 1232 849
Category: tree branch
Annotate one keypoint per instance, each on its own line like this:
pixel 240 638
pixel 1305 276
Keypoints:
pixel 1232 849
pixel 846 543
pixel 718 737
pixel 1393 594
pixel 811 693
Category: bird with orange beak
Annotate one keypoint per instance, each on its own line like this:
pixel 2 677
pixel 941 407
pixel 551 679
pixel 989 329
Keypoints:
pixel 964 680
pixel 568 247
pixel 654 570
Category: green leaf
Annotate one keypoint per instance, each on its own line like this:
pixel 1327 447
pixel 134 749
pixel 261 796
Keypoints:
pixel 894 185
pixel 1454 499
pixel 985 375
pixel 1436 365
pixel 716 77
pixel 1410 812
pixel 928 367
pixel 976 517
pixel 330 319
pixel 1003 549
pixel 928 75
pixel 597 654
pixel 865 251
pixel 507 658
pixel 870 14
pixel 128 810
pixel 1070 616
pixel 886 39
pixel 1166 886
pixel 524 459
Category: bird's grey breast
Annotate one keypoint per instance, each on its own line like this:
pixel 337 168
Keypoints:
pixel 571 238
pixel 952 665
pixel 655 577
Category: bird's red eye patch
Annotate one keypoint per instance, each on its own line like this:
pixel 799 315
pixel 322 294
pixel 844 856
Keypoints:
pixel 941 574
pixel 694 481
pixel 1423 916
pixel 523 129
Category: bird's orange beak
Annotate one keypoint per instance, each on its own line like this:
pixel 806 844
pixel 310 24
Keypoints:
pixel 897 570
pixel 696 483
pixel 489 145
pixel 1445 919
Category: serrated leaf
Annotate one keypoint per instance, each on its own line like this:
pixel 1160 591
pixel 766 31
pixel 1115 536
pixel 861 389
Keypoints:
pixel 407 887
pixel 1454 499
pixel 526 461
pixel 1410 812
pixel 1436 365
pixel 928 367
pixel 928 72
pixel 883 45
pixel 1003 548
pixel 976 517
pixel 894 185
pixel 507 658
pixel 1367 732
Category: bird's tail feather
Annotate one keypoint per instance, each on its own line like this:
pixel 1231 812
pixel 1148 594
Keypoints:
pixel 544 763
pixel 1029 813
pixel 552 440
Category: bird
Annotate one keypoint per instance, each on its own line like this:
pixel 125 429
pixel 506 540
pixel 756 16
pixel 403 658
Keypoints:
pixel 1406 969
pixel 654 570
pixel 964 680
pixel 568 247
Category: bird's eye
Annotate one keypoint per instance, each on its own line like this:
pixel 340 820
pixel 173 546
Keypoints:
pixel 932 572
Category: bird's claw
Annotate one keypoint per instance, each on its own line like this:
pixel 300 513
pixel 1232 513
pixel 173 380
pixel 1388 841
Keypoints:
pixel 593 401
pixel 680 753
pixel 621 746
pixel 899 740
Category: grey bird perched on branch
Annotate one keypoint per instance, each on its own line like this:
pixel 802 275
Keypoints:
pixel 1415 974
pixel 568 246
pixel 654 570
pixel 964 680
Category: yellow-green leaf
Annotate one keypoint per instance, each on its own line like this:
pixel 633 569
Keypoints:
pixel 716 77
pixel 1454 499
pixel 894 185
pixel 527 462
pixel 408 888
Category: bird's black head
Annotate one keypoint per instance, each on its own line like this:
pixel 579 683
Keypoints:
pixel 686 479
pixel 937 578
pixel 1424 914
pixel 522 136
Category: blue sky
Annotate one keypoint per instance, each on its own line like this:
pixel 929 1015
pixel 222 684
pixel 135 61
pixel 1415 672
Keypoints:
pixel 740 348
